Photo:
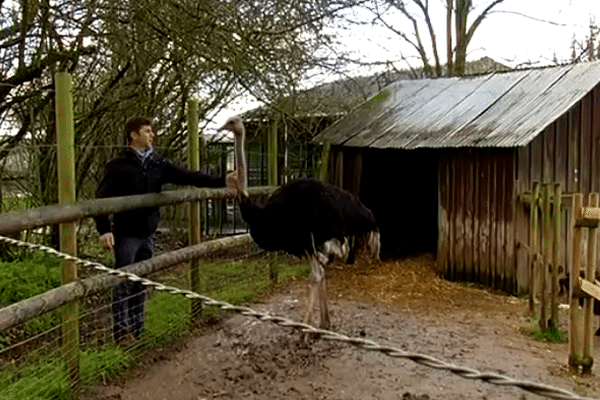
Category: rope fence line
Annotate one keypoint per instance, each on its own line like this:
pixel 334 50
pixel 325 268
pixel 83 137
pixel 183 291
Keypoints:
pixel 422 359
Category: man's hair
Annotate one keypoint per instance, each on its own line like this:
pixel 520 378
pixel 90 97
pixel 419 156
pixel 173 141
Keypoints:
pixel 134 124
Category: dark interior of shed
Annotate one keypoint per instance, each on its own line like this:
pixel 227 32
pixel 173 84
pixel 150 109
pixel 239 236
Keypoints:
pixel 401 188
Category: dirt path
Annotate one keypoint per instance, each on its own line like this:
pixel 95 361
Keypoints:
pixel 403 304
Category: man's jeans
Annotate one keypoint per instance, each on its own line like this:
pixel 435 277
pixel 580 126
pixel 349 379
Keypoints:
pixel 128 296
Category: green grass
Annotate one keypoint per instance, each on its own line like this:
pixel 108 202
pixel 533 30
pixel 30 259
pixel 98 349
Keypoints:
pixel 47 379
pixel 102 363
pixel 26 278
pixel 247 281
pixel 549 335
pixel 167 318
pixel 39 380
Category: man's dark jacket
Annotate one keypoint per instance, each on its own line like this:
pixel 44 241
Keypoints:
pixel 128 175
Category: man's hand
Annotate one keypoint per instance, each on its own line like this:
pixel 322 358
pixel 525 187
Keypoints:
pixel 107 241
pixel 231 185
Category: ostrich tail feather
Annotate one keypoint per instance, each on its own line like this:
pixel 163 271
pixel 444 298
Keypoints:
pixel 374 244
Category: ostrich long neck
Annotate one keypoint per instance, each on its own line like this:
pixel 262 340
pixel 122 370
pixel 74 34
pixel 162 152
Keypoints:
pixel 240 161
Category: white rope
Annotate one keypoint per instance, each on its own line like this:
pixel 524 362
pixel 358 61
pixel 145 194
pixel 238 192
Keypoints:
pixel 467 373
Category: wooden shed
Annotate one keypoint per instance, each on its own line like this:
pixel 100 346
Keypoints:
pixel 442 163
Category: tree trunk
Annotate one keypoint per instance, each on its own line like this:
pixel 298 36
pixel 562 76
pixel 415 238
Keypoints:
pixel 460 55
pixel 449 49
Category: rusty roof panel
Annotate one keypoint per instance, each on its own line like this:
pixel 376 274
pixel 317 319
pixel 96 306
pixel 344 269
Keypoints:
pixel 499 110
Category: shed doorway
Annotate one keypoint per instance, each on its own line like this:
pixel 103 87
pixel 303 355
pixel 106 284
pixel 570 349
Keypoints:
pixel 401 188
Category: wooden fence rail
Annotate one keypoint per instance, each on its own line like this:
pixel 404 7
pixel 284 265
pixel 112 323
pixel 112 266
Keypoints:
pixel 24 310
pixel 16 221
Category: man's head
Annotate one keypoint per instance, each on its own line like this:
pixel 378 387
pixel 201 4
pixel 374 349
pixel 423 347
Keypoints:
pixel 140 133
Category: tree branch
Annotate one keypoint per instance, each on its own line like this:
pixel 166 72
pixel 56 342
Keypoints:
pixel 478 21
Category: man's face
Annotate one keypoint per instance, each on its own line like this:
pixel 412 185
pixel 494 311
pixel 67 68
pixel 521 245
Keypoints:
pixel 144 138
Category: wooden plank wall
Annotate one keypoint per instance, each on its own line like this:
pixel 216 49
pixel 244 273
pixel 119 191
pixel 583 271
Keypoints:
pixel 477 216
pixel 566 152
pixel 484 230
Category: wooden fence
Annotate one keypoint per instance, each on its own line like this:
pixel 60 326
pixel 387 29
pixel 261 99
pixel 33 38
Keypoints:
pixel 545 265
pixel 584 288
pixel 68 211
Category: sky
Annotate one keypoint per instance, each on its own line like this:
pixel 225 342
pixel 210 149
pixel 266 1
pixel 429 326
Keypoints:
pixel 525 39
pixel 517 32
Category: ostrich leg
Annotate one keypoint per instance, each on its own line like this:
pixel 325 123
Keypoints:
pixel 317 289
pixel 323 300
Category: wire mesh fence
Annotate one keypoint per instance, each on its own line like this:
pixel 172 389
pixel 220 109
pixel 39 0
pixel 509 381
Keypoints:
pixel 32 363
pixel 32 360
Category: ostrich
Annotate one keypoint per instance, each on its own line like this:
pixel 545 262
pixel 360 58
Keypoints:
pixel 306 218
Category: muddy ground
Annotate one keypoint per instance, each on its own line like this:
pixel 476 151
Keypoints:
pixel 399 303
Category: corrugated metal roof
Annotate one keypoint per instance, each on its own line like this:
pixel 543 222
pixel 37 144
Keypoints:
pixel 499 110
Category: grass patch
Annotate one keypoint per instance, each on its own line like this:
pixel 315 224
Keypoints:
pixel 28 277
pixel 549 335
pixel 167 318
pixel 47 379
pixel 247 281
pixel 39 380
pixel 100 364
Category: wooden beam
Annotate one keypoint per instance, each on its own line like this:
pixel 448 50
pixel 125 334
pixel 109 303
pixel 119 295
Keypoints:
pixel 590 273
pixel 50 215
pixel 589 288
pixel 526 198
pixel 65 143
pixel 547 256
pixel 575 312
pixel 194 206
pixel 556 247
pixel 324 166
pixel 535 258
pixel 590 216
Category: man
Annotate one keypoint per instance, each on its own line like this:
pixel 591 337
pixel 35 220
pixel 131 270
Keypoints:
pixel 139 170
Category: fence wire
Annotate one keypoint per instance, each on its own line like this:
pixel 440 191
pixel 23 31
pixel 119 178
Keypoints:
pixel 422 359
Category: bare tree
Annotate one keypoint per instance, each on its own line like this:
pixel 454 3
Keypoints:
pixel 416 28
pixel 588 48
pixel 142 57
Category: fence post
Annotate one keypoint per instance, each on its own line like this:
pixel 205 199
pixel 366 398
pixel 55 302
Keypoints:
pixel 194 207
pixel 575 336
pixel 533 286
pixel 588 302
pixel 556 245
pixel 546 256
pixel 324 167
pixel 65 134
pixel 273 173
pixel 272 150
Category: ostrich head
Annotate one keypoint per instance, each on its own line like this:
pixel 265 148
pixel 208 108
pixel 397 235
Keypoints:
pixel 236 126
